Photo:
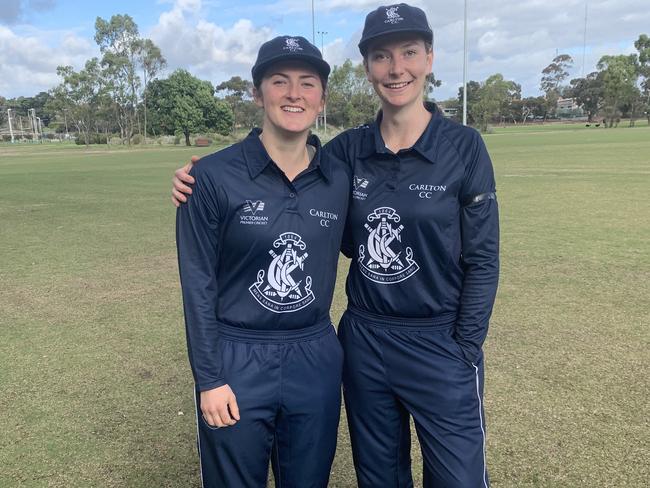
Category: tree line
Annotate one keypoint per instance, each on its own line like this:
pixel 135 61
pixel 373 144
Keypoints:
pixel 120 95
pixel 620 88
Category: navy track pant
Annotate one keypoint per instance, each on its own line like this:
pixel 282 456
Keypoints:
pixel 288 389
pixel 413 367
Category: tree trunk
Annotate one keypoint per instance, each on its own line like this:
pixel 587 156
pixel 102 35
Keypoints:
pixel 187 138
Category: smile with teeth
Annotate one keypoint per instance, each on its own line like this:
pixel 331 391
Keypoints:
pixel 396 86
pixel 291 109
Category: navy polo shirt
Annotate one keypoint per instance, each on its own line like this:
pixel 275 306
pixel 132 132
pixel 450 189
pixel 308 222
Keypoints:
pixel 256 250
pixel 423 229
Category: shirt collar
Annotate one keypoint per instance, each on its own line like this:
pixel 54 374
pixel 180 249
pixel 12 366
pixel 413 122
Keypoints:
pixel 257 159
pixel 425 146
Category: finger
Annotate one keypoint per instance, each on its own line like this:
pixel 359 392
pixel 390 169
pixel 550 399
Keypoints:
pixel 178 184
pixel 234 408
pixel 183 174
pixel 178 197
pixel 224 415
pixel 194 159
pixel 211 420
pixel 175 202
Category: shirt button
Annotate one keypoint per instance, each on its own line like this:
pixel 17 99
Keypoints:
pixel 292 195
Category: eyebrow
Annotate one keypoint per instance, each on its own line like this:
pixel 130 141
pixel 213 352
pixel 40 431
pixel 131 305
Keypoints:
pixel 283 75
pixel 401 46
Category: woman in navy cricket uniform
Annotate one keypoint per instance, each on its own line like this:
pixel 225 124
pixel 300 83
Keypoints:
pixel 423 235
pixel 258 249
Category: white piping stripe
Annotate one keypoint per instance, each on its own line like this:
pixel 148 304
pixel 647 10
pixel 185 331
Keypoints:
pixel 480 414
pixel 198 436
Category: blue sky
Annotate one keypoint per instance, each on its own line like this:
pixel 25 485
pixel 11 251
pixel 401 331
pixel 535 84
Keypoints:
pixel 216 39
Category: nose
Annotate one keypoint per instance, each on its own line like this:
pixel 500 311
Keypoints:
pixel 293 92
pixel 396 66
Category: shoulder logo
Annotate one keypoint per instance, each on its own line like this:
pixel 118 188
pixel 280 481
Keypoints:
pixel 253 206
pixel 387 261
pixel 392 16
pixel 359 182
pixel 249 211
pixel 285 287
pixel 292 44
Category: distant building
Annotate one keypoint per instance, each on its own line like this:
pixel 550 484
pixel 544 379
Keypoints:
pixel 567 104
pixel 448 111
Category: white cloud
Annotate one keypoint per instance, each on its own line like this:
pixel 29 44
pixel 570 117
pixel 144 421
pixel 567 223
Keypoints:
pixel 206 49
pixel 28 61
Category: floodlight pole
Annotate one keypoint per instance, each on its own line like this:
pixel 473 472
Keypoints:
pixel 11 131
pixel 465 67
pixel 584 44
pixel 313 25
pixel 32 120
pixel 40 130
pixel 322 49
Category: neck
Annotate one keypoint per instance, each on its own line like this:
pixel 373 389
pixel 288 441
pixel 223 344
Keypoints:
pixel 401 127
pixel 287 149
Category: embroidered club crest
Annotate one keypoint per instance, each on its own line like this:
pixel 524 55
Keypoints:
pixel 292 44
pixel 387 261
pixel 253 206
pixel 392 17
pixel 285 286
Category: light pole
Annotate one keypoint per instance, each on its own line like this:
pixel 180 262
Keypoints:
pixel 32 120
pixel 465 67
pixel 322 49
pixel 313 25
pixel 11 131
pixel 39 126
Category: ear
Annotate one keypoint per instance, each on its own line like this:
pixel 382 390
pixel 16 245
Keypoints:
pixel 257 97
pixel 365 66
pixel 430 56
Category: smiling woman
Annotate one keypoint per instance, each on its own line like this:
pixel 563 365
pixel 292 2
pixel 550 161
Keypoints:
pixel 265 358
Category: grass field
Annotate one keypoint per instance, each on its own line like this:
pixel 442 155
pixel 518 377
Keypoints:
pixel 96 388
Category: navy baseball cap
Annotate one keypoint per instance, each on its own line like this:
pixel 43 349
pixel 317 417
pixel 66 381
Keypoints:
pixel 392 19
pixel 283 48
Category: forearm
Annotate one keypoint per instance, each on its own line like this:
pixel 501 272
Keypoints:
pixel 480 260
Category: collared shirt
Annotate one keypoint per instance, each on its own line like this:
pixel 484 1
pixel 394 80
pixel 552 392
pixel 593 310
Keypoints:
pixel 423 228
pixel 256 250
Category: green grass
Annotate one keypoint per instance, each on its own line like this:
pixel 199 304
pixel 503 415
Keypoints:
pixel 94 371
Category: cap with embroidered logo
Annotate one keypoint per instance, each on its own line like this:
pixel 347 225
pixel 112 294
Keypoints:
pixel 284 48
pixel 393 19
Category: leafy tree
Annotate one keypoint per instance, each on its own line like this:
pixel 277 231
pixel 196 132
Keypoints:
pixel 3 110
pixel 431 83
pixel 521 110
pixel 124 53
pixel 184 104
pixel 642 44
pixel 119 42
pixel 238 93
pixel 151 62
pixel 82 95
pixel 473 88
pixel 493 96
pixel 553 77
pixel 619 76
pixel 588 93
pixel 351 100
